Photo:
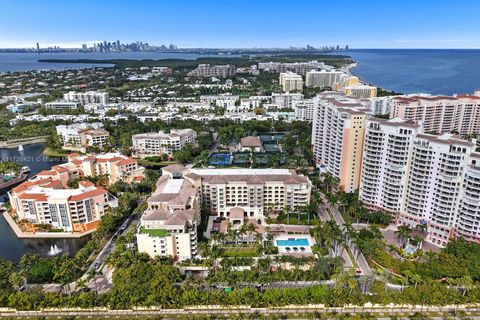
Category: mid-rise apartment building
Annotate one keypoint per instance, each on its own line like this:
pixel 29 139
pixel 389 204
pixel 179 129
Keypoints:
pixel 169 225
pixel 360 91
pixel 291 82
pixel 79 136
pixel 250 191
pixel 322 78
pixel 206 70
pixel 300 68
pixel 114 166
pixel 304 110
pixel 439 114
pixel 286 100
pixel 155 144
pixel 337 137
pixel 48 200
pixel 378 105
pixel 87 97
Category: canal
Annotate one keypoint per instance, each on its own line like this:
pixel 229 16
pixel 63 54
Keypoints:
pixel 13 248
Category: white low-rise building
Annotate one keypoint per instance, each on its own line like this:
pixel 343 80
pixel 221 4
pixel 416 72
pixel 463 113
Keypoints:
pixel 79 136
pixel 158 143
pixel 62 105
pixel 87 97
pixel 226 101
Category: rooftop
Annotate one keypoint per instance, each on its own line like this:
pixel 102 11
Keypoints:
pixel 154 232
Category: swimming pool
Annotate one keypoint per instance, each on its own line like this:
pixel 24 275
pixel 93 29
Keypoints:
pixel 409 249
pixel 292 242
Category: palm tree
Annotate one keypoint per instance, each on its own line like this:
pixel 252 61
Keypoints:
pixel 466 283
pixel 92 274
pixel 346 280
pixel 251 229
pixel 80 284
pixel 328 181
pixel 204 249
pixel 286 210
pixel 16 280
pixel 403 233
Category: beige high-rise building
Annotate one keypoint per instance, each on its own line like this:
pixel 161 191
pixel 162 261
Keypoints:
pixel 338 136
pixel 439 114
pixel 291 82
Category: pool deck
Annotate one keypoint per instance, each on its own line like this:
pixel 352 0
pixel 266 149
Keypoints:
pixel 283 248
pixel 43 235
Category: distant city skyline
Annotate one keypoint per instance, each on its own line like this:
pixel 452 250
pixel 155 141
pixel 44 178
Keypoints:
pixel 243 24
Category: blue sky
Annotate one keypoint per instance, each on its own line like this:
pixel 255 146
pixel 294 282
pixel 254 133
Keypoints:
pixel 243 23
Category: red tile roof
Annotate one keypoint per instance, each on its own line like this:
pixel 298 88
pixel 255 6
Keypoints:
pixel 31 183
pixel 73 155
pixel 47 173
pixel 125 162
pixel 85 183
pixel 88 194
pixel 33 196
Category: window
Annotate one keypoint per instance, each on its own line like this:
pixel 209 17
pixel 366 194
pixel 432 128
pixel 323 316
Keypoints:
pixel 63 215
pixel 53 212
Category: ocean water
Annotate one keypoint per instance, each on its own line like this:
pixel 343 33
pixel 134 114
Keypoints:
pixel 401 70
pixel 414 71
pixel 29 61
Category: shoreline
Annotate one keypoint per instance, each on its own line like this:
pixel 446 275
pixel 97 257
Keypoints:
pixel 348 69
pixel 14 143
pixel 54 153
pixel 42 235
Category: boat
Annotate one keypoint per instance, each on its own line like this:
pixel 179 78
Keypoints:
pixel 25 169
pixel 20 148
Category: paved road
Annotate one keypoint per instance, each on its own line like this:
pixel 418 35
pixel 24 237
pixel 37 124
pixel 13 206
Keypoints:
pixel 358 255
pixel 103 280
pixel 324 216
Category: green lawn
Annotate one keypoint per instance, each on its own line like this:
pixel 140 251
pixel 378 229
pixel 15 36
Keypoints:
pixel 239 252
pixel 55 152
pixel 154 232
